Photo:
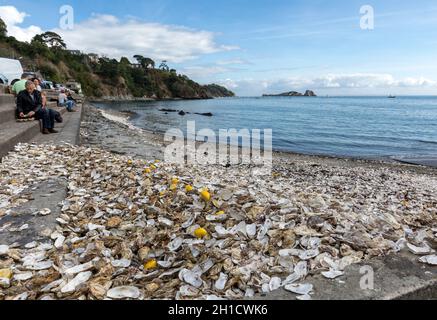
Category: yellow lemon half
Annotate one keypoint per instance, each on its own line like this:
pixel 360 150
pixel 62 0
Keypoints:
pixel 188 188
pixel 205 195
pixel 151 264
pixel 200 233
pixel 5 273
pixel 174 181
pixel 173 187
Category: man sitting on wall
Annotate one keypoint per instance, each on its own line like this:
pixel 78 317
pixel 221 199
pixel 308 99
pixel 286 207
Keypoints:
pixel 29 105
pixel 20 85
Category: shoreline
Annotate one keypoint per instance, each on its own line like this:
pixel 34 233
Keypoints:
pixel 122 118
pixel 133 99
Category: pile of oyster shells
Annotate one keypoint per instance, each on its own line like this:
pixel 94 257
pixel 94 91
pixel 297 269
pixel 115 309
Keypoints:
pixel 130 229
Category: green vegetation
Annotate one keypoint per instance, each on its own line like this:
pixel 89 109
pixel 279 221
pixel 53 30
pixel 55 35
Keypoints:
pixel 48 54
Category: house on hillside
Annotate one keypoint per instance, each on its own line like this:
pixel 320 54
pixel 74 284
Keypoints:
pixel 75 52
pixel 93 57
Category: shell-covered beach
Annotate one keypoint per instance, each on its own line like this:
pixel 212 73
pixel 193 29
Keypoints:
pixel 133 227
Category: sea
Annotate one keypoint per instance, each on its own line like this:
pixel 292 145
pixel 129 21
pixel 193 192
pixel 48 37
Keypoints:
pixel 356 127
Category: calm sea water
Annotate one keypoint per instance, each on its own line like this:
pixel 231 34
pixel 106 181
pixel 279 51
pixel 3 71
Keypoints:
pixel 363 127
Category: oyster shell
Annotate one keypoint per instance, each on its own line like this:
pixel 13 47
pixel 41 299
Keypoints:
pixel 124 292
pixel 77 281
pixel 332 274
pixel 4 249
pixel 419 250
pixel 301 289
pixel 431 260
pixel 45 212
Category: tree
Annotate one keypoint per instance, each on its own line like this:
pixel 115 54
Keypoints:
pixel 51 39
pixel 124 61
pixel 149 63
pixel 139 58
pixel 3 29
pixel 145 62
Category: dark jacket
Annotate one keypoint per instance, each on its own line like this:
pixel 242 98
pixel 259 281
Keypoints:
pixel 26 104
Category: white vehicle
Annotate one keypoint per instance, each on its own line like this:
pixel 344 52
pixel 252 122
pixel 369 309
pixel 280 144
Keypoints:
pixel 11 69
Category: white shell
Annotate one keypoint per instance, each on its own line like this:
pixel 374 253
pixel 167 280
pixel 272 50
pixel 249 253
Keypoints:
pixel 251 230
pixel 80 279
pixel 122 263
pixel 5 283
pixel 4 249
pixel 59 242
pixel 45 212
pixel 43 265
pixel 305 297
pixel 188 291
pixel 124 292
pixel 419 250
pixel 332 274
pixel 309 254
pixel 92 226
pixel 301 289
pixel 23 276
pixel 23 227
pixel 220 284
pixel 432 260
pixel 275 283
pixel 190 277
pixel 175 244
pixel 165 221
pixel 31 245
pixel 79 268
pixel 301 269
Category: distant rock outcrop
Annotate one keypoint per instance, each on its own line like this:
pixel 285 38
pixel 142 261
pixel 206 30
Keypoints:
pixel 308 93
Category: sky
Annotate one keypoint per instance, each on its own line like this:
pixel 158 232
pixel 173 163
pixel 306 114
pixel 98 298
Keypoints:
pixel 258 46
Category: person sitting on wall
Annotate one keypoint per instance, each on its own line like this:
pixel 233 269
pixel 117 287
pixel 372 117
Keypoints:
pixel 70 96
pixel 29 106
pixel 20 85
pixel 37 84
pixel 64 102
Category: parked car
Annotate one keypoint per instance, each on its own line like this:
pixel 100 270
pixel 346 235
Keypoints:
pixel 11 69
pixel 59 87
pixel 31 75
pixel 47 85
pixel 74 86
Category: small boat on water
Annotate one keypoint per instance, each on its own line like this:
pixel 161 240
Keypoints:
pixel 392 97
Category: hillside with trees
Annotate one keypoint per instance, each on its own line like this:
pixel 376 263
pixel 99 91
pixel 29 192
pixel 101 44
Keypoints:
pixel 102 77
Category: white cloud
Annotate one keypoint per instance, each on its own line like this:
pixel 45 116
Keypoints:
pixel 13 18
pixel 203 71
pixel 340 83
pixel 232 62
pixel 106 34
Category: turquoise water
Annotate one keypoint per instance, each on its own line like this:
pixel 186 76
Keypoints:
pixel 363 127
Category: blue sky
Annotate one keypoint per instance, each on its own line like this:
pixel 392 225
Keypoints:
pixel 258 46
